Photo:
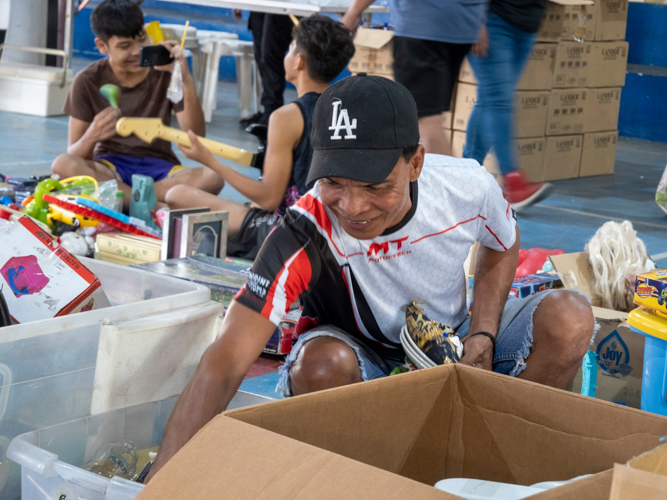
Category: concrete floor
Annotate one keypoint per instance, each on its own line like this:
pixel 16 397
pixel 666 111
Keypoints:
pixel 565 220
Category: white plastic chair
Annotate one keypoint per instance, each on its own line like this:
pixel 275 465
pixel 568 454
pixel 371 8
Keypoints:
pixel 214 46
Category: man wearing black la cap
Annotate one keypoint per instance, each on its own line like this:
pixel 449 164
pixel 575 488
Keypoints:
pixel 383 226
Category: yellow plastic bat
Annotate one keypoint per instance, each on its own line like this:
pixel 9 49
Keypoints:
pixel 149 129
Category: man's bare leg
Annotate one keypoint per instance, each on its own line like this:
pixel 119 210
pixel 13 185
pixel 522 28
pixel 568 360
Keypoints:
pixel 324 363
pixel 563 326
pixel 67 165
pixel 433 135
pixel 182 196
pixel 202 178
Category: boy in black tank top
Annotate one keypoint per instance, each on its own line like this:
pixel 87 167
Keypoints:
pixel 320 50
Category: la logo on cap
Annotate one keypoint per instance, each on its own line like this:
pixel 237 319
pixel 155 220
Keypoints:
pixel 341 121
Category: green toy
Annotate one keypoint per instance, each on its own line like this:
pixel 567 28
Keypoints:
pixel 110 92
pixel 38 208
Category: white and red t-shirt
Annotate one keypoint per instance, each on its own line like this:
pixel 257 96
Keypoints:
pixel 364 286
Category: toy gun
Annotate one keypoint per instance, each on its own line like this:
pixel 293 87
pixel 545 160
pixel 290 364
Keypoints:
pixel 149 129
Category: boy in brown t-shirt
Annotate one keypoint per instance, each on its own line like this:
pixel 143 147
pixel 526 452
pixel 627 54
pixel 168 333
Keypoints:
pixel 94 148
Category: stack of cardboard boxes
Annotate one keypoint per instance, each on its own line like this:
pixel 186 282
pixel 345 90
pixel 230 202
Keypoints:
pixel 568 98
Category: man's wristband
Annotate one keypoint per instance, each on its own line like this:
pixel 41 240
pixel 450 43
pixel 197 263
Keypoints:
pixel 487 334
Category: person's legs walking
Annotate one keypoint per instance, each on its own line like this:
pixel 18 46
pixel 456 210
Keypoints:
pixel 429 70
pixel 490 125
pixel 256 27
pixel 276 37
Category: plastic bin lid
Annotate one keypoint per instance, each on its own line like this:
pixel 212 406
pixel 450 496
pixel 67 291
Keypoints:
pixel 648 322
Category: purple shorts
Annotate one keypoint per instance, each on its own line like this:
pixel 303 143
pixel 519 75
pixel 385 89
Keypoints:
pixel 125 166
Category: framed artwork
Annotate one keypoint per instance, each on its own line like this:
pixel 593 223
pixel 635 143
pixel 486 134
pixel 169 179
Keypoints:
pixel 172 229
pixel 204 234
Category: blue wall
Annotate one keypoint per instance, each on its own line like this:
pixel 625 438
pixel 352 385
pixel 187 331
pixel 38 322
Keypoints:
pixel 205 18
pixel 644 98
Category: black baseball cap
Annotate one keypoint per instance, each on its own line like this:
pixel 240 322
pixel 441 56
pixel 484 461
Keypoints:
pixel 361 125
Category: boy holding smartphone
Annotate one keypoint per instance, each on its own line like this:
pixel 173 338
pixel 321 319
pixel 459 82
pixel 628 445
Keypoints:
pixel 93 147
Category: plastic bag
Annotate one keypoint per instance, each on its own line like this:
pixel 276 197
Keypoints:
pixel 118 459
pixel 175 92
pixel 580 31
pixel 661 193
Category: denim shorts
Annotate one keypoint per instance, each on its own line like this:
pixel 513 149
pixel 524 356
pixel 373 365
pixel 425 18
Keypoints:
pixel 514 340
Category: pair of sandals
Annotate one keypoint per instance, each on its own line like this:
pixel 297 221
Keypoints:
pixel 428 343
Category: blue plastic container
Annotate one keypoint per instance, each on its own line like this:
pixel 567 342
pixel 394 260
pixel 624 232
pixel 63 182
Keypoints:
pixel 654 378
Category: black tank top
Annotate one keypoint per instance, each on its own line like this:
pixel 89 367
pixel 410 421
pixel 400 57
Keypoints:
pixel 302 154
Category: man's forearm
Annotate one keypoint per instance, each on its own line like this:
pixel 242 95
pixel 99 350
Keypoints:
pixel 494 274
pixel 359 6
pixel 83 148
pixel 255 190
pixel 206 395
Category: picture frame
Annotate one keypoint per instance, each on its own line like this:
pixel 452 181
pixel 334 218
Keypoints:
pixel 172 228
pixel 204 234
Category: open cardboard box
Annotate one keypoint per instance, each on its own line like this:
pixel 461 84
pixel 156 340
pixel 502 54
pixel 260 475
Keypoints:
pixel 620 350
pixel 643 478
pixel 394 438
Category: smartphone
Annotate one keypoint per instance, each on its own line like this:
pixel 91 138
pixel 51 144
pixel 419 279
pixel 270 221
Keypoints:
pixel 154 55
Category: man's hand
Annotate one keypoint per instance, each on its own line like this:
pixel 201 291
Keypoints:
pixel 481 48
pixel 477 351
pixel 238 15
pixel 104 125
pixel 197 152
pixel 174 49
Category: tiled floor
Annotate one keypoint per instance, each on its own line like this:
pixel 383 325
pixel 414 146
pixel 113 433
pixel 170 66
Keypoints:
pixel 565 220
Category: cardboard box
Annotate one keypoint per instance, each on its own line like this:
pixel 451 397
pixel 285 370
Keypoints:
pixel 466 97
pixel 651 290
pixel 458 146
pixel 602 109
pixel 642 478
pixel 374 52
pixel 611 19
pixel 572 61
pixel 553 19
pixel 525 286
pixel 572 20
pixel 551 27
pixel 41 279
pixel 539 71
pixel 530 155
pixel 136 249
pixel 394 438
pixel 608 64
pixel 467 74
pixel 531 109
pixel 598 155
pixel 620 350
pixel 562 155
pixel 567 111
pixel 447 117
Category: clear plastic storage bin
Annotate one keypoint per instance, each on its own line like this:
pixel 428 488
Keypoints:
pixel 51 458
pixel 47 367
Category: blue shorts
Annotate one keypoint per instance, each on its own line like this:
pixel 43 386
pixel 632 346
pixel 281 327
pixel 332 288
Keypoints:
pixel 514 340
pixel 125 166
